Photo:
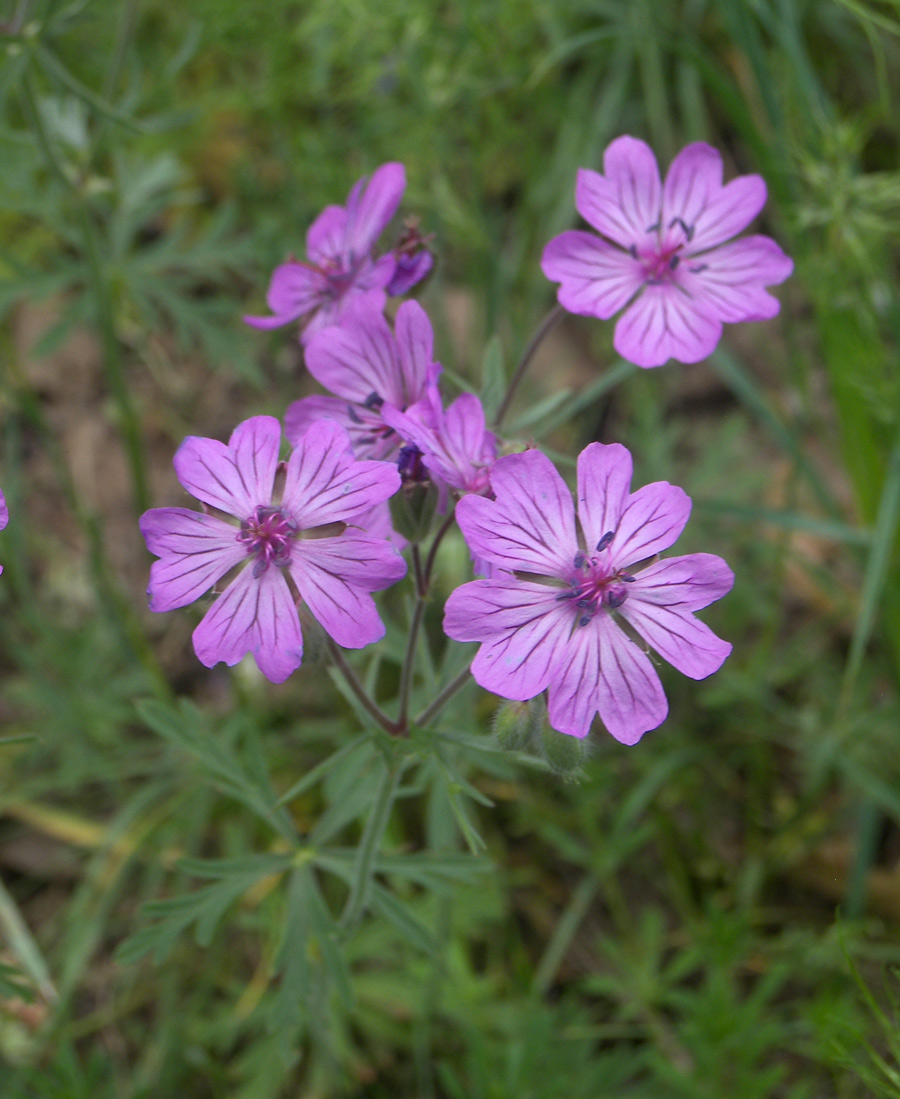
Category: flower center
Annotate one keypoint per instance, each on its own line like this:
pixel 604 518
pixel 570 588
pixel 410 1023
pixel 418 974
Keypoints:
pixel 594 584
pixel 267 536
pixel 660 261
pixel 341 275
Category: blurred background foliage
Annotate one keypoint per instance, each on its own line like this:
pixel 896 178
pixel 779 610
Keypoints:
pixel 712 913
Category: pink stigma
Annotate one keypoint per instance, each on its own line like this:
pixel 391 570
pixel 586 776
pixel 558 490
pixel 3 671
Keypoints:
pixel 661 262
pixel 595 585
pixel 267 537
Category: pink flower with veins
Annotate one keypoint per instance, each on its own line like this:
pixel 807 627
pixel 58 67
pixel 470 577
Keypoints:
pixel 370 369
pixel 551 619
pixel 341 269
pixel 291 543
pixel 455 443
pixel 663 253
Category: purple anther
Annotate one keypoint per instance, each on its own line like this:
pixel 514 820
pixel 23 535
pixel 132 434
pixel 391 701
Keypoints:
pixel 615 596
pixel 410 465
pixel 605 540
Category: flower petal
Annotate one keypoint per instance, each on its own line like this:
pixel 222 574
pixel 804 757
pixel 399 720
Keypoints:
pixel 523 630
pixel 730 280
pixel 415 351
pixel 294 290
pixel 335 576
pixel 727 213
pixel 624 203
pixel 664 323
pixel 375 275
pixel 604 481
pixel 687 643
pixel 409 271
pixel 653 519
pixel 531 524
pixel 630 696
pixel 302 414
pixel 573 698
pixel 237 477
pixel 333 313
pixel 4 512
pixel 370 208
pixel 369 435
pixel 693 181
pixel 195 551
pixel 596 279
pixel 357 359
pixel 686 583
pixel 253 615
pixel 325 484
pixel 325 237
pixel 459 450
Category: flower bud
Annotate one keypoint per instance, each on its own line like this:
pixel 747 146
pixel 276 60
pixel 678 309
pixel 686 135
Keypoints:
pixel 517 725
pixel 564 754
pixel 412 510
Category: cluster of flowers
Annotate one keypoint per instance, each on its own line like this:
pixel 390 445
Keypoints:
pixel 563 598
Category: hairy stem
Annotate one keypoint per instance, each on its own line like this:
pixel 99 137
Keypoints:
pixel 443 698
pixel 371 707
pixel 548 323
pixel 423 582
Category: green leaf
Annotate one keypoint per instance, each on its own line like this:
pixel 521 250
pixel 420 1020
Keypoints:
pixel 790 520
pixel 877 575
pixel 493 377
pixel 588 396
pixel 22 944
pixel 203 908
pixel 290 1007
pixel 410 927
pixel 320 770
pixel 186 726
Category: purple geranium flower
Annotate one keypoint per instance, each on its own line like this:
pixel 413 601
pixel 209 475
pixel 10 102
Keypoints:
pixel 455 443
pixel 289 545
pixel 369 368
pixel 4 516
pixel 552 620
pixel 665 253
pixel 341 269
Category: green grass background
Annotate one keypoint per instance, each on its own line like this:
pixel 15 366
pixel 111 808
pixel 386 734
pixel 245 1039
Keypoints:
pixel 712 913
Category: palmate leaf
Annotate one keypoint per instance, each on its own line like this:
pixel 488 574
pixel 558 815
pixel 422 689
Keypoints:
pixel 247 782
pixel 203 908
